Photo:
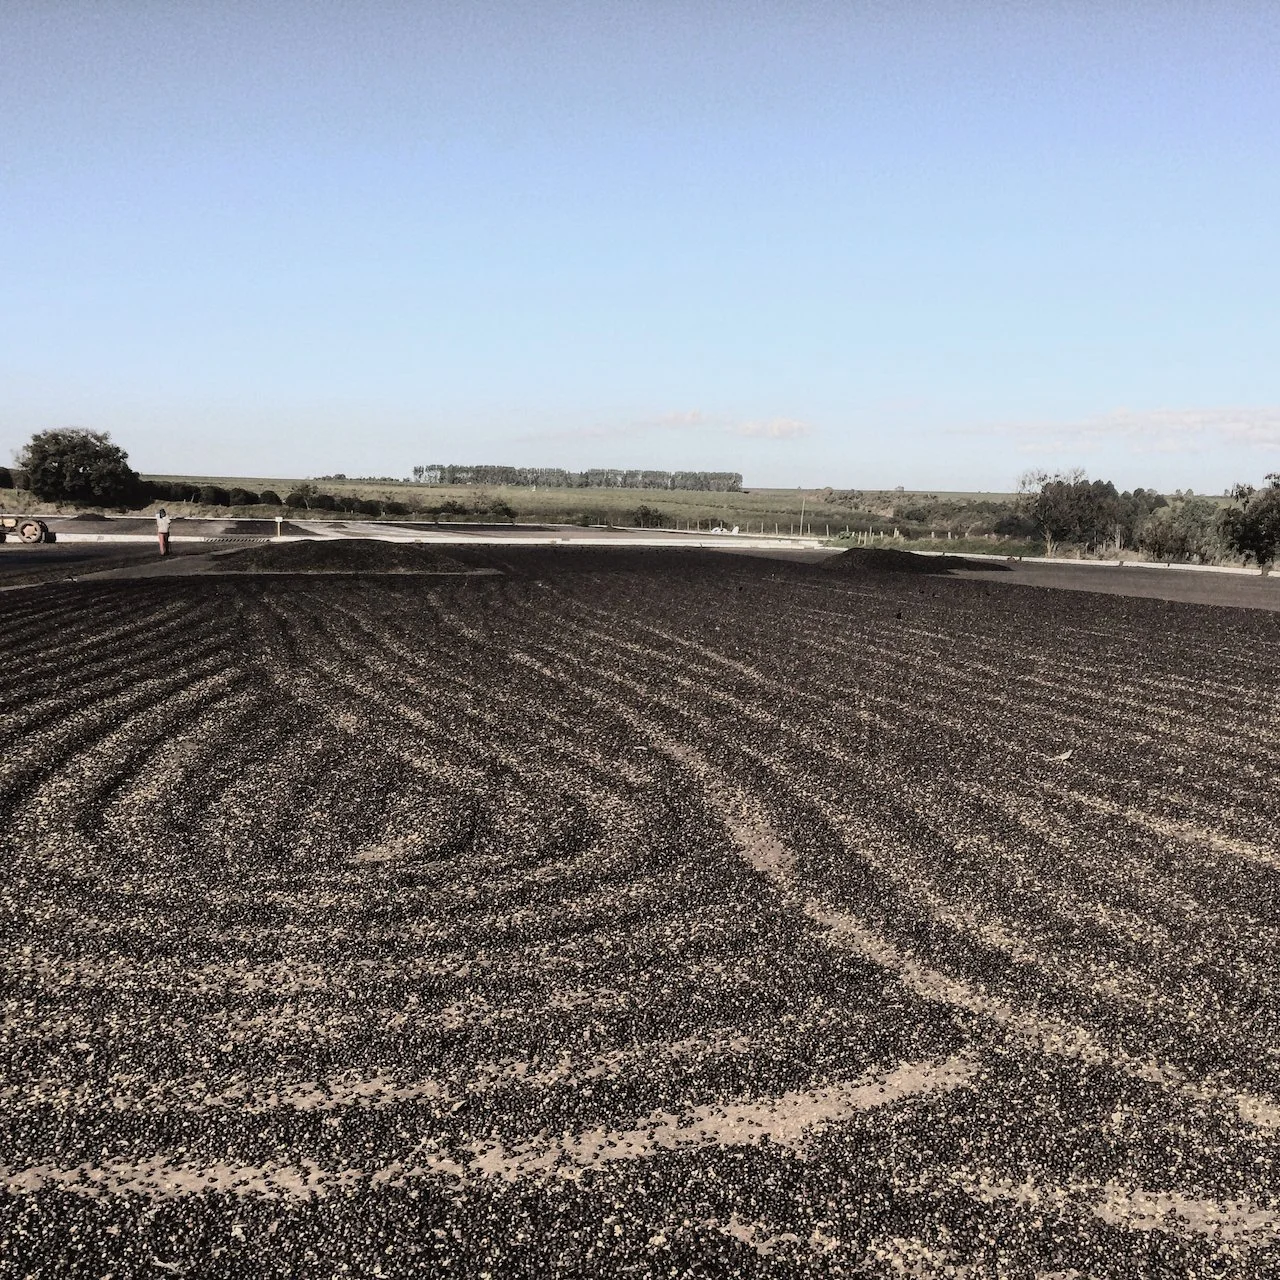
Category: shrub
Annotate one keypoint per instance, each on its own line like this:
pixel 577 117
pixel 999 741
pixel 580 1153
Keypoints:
pixel 269 498
pixel 243 498
pixel 647 517
pixel 6 478
pixel 1015 525
pixel 395 509
pixel 296 498
pixel 324 502
pixel 214 495
pixel 367 507
pixel 169 491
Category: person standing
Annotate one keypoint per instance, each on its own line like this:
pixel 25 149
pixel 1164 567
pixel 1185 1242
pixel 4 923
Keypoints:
pixel 163 520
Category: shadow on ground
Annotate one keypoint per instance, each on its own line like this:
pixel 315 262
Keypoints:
pixel 23 565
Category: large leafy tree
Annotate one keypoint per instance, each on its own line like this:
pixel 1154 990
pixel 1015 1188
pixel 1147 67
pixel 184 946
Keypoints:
pixel 70 464
pixel 1069 507
pixel 1252 528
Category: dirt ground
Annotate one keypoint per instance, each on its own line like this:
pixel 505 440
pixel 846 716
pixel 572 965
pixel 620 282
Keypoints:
pixel 1244 591
pixel 633 913
pixel 338 555
pixel 21 563
pixel 1155 582
pixel 87 522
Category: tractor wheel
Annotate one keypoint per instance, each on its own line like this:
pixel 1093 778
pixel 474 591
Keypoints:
pixel 31 531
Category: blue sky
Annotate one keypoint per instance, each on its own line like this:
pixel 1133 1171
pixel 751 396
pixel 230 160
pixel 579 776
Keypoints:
pixel 858 244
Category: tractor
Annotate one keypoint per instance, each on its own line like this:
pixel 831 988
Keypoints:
pixel 28 528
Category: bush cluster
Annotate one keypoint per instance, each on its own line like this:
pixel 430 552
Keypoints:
pixel 1251 527
pixel 307 497
pixel 647 517
pixel 1093 514
pixel 1189 531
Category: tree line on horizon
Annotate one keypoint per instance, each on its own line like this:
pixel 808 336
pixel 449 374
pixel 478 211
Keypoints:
pixel 596 478
pixel 86 468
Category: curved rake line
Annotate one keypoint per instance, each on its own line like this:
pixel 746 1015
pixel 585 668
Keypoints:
pixel 785 1120
pixel 83 622
pixel 1060 615
pixel 1125 988
pixel 28 715
pixel 1074 671
pixel 586 786
pixel 482 727
pixel 1234 1221
pixel 824 747
pixel 1068 703
pixel 27 785
pixel 994 935
pixel 357 1090
pixel 828 748
pixel 317 686
pixel 1183 832
pixel 108 653
pixel 764 851
pixel 1030 812
pixel 1132 985
pixel 274 759
pixel 144 743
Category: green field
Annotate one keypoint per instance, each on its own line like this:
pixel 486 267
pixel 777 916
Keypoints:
pixel 825 511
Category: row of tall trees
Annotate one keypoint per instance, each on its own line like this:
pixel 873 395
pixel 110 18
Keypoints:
pixel 558 478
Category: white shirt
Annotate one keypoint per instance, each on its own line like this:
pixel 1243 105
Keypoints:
pixel 162 523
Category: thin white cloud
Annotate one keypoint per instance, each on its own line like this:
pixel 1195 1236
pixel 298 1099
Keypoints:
pixel 1154 430
pixel 685 418
pixel 773 429
pixel 576 433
